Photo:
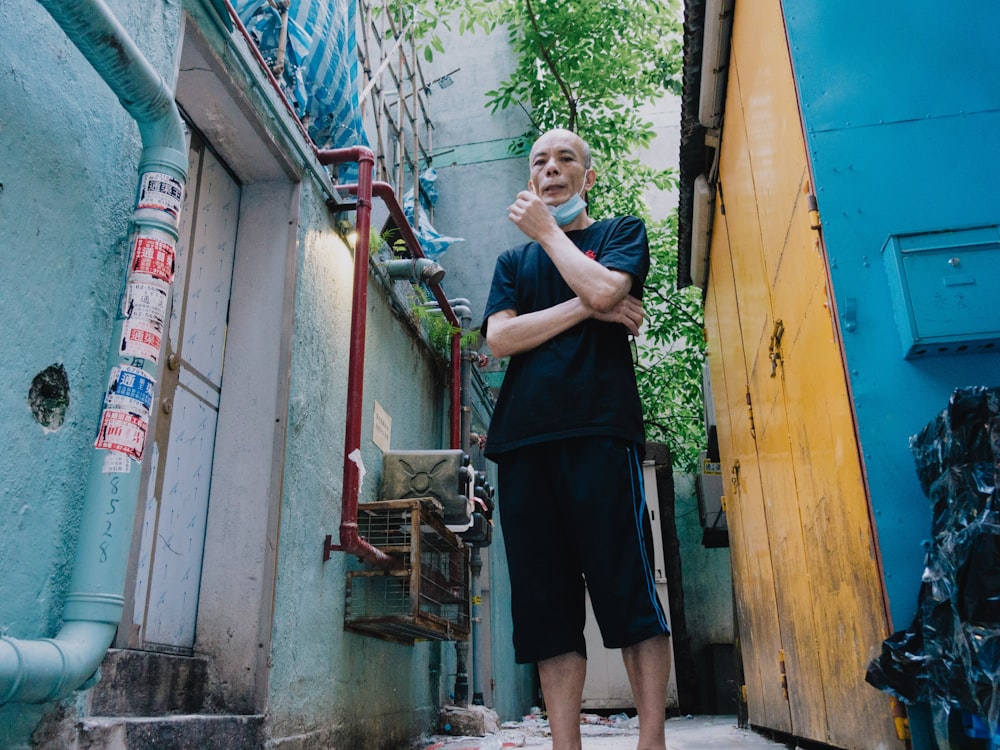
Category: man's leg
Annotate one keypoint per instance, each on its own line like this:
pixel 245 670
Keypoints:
pixel 562 679
pixel 648 666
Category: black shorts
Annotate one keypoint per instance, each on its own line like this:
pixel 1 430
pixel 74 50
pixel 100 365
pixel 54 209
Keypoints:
pixel 573 517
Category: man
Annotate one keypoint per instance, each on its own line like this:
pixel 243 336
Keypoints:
pixel 567 437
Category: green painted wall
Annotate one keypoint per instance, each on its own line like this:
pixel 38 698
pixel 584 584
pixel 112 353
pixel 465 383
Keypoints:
pixel 68 157
pixel 68 161
pixel 334 685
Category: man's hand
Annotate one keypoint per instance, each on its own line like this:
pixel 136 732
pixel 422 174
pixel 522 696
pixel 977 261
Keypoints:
pixel 628 311
pixel 532 216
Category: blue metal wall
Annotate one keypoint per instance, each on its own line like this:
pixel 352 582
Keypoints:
pixel 901 107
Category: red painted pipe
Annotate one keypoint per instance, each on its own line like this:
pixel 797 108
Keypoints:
pixel 350 540
pixel 384 191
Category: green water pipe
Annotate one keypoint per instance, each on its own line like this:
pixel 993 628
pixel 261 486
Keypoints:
pixel 47 669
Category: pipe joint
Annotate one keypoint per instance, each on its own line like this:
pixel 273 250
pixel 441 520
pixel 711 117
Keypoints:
pixel 415 270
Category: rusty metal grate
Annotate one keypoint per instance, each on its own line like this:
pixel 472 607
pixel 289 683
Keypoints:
pixel 428 596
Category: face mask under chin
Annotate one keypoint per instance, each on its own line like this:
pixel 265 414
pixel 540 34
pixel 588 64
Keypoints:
pixel 564 213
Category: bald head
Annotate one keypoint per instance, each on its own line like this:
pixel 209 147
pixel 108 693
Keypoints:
pixel 562 136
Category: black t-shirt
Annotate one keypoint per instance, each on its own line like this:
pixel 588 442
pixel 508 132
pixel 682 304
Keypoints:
pixel 581 382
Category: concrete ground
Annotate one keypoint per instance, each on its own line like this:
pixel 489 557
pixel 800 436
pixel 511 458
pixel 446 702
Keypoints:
pixel 617 733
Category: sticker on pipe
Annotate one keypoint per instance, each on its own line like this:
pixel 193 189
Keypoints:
pixel 153 257
pixel 144 306
pixel 123 432
pixel 130 389
pixel 116 463
pixel 161 192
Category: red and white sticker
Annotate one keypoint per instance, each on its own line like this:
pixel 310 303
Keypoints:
pixel 144 306
pixel 139 339
pixel 153 257
pixel 122 432
pixel 161 192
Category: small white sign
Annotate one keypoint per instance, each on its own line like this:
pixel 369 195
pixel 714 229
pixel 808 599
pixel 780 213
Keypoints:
pixel 382 429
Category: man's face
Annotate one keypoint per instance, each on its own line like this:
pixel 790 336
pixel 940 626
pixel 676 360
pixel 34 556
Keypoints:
pixel 557 167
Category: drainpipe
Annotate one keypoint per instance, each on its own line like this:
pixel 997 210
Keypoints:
pixel 47 669
pixel 415 270
pixel 467 653
pixel 384 191
pixel 351 540
pixel 463 308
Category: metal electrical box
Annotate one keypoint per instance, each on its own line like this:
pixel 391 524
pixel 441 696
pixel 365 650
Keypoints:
pixel 944 293
pixel 708 486
pixel 441 474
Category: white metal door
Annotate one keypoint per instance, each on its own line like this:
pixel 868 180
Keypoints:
pixel 168 574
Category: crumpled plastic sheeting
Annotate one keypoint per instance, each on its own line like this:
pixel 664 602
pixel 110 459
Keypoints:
pixel 949 656
pixel 320 76
pixel 432 243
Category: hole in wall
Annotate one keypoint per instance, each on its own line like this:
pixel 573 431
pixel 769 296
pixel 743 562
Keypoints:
pixel 48 397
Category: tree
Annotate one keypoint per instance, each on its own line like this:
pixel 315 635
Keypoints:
pixel 590 66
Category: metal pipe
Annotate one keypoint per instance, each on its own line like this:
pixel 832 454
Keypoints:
pixel 47 669
pixel 415 270
pixel 351 540
pixel 384 191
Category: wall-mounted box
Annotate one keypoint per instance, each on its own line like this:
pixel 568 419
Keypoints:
pixel 944 290
pixel 440 474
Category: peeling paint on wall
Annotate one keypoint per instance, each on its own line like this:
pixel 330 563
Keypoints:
pixel 48 397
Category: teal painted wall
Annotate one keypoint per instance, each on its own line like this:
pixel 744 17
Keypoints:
pixel 334 685
pixel 901 111
pixel 68 161
pixel 68 158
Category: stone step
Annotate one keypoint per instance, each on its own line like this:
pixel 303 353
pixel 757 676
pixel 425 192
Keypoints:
pixel 143 683
pixel 181 732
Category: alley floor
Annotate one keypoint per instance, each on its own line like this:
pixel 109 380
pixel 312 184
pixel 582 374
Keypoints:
pixel 617 733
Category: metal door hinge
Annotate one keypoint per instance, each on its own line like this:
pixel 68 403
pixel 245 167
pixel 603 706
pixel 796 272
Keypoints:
pixel 814 220
pixel 784 673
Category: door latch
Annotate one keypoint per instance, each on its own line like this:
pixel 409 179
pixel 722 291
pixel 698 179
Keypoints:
pixel 774 350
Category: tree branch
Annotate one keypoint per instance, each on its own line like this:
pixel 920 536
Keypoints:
pixel 552 68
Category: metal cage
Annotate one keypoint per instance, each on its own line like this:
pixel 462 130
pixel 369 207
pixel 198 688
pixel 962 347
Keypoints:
pixel 427 597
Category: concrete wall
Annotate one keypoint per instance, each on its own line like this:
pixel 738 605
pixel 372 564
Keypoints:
pixel 68 161
pixel 68 158
pixel 478 174
pixel 478 177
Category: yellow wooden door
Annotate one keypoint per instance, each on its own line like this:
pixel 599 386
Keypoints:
pixel 808 580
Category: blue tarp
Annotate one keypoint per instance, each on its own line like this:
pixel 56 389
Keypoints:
pixel 320 77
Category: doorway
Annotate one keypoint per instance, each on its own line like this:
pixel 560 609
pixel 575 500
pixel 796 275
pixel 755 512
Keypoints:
pixel 179 471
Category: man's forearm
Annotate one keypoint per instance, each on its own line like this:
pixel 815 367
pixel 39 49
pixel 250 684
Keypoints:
pixel 513 334
pixel 509 333
pixel 600 288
